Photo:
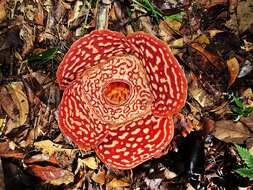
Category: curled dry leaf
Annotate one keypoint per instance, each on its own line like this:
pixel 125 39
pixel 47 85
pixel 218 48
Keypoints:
pixel 49 148
pixel 117 183
pixel 2 10
pixel 8 150
pixel 14 102
pixel 90 162
pixel 213 58
pixel 27 35
pixel 99 177
pixel 233 68
pixel 200 95
pixel 231 132
pixel 169 174
pixel 41 158
pixel 7 103
pixel 248 121
pixel 20 99
pixel 52 175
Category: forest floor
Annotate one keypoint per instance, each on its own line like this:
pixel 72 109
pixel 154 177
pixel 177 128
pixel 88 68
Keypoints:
pixel 213 42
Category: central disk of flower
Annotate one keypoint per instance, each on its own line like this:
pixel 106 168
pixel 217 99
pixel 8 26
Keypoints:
pixel 117 91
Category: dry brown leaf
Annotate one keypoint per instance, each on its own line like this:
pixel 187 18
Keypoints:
pixel 15 90
pixel 233 68
pixel 8 150
pixel 27 35
pixel 3 12
pixel 52 175
pixel 39 15
pixel 248 121
pixel 231 132
pixel 211 3
pixel 41 158
pixel 90 162
pixel 200 95
pixel 49 148
pixel 116 183
pixel 249 144
pixel 248 93
pixel 214 59
pixel 7 103
pixel 169 174
pixel 99 177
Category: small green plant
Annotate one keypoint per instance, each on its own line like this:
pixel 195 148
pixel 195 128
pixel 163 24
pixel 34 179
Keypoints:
pixel 239 109
pixel 147 7
pixel 44 56
pixel 178 16
pixel 247 157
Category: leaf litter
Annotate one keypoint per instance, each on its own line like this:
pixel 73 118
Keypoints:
pixel 211 40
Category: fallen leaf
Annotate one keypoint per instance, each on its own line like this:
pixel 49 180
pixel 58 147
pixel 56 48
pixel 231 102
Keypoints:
pixel 248 93
pixel 3 12
pixel 8 150
pixel 116 183
pixel 200 95
pixel 248 121
pixel 15 90
pixel 52 175
pixel 7 103
pixel 249 144
pixel 169 174
pixel 213 58
pixel 233 68
pixel 231 132
pixel 90 162
pixel 49 148
pixel 41 158
pixel 99 177
pixel 39 15
pixel 153 183
pixel 246 68
pixel 27 35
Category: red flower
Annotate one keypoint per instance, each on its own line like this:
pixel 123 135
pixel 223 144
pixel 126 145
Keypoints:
pixel 119 96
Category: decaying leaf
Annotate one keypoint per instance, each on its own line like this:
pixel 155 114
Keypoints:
pixel 246 68
pixel 200 95
pixel 153 183
pixel 248 121
pixel 90 162
pixel 231 132
pixel 14 102
pixel 169 174
pixel 20 99
pixel 52 175
pixel 99 177
pixel 48 147
pixel 233 68
pixel 27 35
pixel 8 150
pixel 3 12
pixel 117 183
pixel 7 103
pixel 213 58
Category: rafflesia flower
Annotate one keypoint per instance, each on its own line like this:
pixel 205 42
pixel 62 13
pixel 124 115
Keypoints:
pixel 120 94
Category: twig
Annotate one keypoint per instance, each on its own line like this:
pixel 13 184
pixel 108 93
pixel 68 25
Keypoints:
pixel 103 9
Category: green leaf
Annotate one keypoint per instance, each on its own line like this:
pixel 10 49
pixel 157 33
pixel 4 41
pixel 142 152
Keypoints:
pixel 178 17
pixel 248 110
pixel 43 57
pixel 246 156
pixel 238 102
pixel 237 110
pixel 245 172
